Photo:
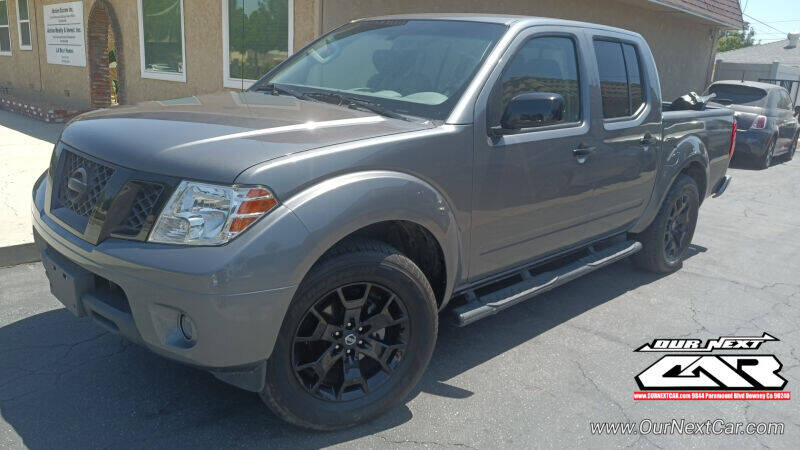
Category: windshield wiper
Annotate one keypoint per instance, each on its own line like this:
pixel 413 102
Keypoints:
pixel 376 108
pixel 276 90
pixel 352 102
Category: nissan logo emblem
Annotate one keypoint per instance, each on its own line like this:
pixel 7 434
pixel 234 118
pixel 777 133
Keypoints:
pixel 78 184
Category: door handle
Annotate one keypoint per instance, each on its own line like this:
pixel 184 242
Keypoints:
pixel 646 140
pixel 583 152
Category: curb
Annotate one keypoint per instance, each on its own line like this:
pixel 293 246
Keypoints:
pixel 19 254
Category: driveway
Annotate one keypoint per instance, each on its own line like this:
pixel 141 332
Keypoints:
pixel 532 376
pixel 25 148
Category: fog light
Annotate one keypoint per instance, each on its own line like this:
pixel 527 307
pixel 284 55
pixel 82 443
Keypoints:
pixel 187 327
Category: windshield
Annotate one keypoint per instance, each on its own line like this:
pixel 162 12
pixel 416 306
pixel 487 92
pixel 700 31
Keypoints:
pixel 410 67
pixel 738 95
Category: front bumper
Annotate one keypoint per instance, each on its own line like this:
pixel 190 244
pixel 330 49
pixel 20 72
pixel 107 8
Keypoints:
pixel 140 291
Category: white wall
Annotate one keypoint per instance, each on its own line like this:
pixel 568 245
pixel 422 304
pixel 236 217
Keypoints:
pixel 754 72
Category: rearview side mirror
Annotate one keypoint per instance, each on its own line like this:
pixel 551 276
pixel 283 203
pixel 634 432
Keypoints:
pixel 531 110
pixel 797 111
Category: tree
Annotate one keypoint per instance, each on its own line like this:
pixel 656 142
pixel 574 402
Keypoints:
pixel 739 39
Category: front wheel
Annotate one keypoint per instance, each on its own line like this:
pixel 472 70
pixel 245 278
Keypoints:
pixel 666 240
pixel 356 339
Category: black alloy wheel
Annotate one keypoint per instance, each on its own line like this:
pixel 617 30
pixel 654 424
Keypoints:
pixel 766 161
pixel 665 242
pixel 793 148
pixel 350 341
pixel 677 231
pixel 355 340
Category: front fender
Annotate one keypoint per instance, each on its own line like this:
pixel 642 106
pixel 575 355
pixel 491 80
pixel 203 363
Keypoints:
pixel 678 155
pixel 337 207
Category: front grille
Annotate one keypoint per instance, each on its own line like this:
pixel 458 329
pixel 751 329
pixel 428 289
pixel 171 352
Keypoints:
pixel 141 208
pixel 104 200
pixel 97 176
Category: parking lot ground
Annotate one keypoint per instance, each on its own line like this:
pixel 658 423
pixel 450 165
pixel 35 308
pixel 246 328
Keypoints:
pixel 535 375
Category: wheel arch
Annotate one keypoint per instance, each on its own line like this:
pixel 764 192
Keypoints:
pixel 695 171
pixel 689 157
pixel 393 207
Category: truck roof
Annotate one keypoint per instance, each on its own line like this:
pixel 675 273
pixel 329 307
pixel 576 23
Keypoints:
pixel 504 19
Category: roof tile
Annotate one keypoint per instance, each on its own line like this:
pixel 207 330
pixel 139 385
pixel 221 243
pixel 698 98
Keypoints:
pixel 726 11
pixel 764 54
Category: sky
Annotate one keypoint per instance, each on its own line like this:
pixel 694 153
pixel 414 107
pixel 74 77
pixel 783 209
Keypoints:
pixel 778 16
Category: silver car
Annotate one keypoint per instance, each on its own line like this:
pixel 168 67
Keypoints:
pixel 767 126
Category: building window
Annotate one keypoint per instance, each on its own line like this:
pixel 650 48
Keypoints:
pixel 161 40
pixel 256 36
pixel 24 24
pixel 5 32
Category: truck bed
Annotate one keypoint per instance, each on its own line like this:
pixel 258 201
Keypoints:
pixel 706 133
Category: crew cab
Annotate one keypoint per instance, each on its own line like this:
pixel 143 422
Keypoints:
pixel 301 239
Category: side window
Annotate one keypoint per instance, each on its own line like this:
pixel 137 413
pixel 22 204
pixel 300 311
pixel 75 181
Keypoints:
pixel 544 64
pixel 621 79
pixel 5 33
pixel 784 102
pixel 634 77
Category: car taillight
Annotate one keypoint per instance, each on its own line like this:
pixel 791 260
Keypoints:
pixel 732 148
pixel 760 123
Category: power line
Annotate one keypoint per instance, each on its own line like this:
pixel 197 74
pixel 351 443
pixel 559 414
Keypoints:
pixel 763 23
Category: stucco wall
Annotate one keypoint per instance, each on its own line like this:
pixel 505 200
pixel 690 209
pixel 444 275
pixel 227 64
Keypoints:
pixel 682 45
pixel 29 75
pixel 27 72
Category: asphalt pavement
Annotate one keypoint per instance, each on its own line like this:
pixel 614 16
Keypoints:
pixel 535 375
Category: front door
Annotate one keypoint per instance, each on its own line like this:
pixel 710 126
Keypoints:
pixel 532 194
pixel 623 168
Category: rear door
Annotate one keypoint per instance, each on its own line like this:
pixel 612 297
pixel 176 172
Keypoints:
pixel 532 195
pixel 623 168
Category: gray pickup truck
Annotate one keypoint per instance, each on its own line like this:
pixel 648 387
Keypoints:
pixel 300 239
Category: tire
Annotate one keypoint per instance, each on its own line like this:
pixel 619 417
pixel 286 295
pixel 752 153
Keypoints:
pixel 793 148
pixel 655 255
pixel 766 160
pixel 336 280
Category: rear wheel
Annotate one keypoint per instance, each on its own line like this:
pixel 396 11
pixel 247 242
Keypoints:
pixel 793 148
pixel 766 160
pixel 666 240
pixel 355 341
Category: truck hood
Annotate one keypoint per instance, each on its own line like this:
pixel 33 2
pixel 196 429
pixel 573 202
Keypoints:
pixel 215 137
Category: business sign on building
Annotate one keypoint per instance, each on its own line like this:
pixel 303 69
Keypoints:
pixel 64 36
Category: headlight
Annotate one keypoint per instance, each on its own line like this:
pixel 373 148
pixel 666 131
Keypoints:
pixel 208 214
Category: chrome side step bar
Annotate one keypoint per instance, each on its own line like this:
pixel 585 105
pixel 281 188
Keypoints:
pixel 478 307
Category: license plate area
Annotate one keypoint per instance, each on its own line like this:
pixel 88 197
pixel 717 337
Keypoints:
pixel 68 281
